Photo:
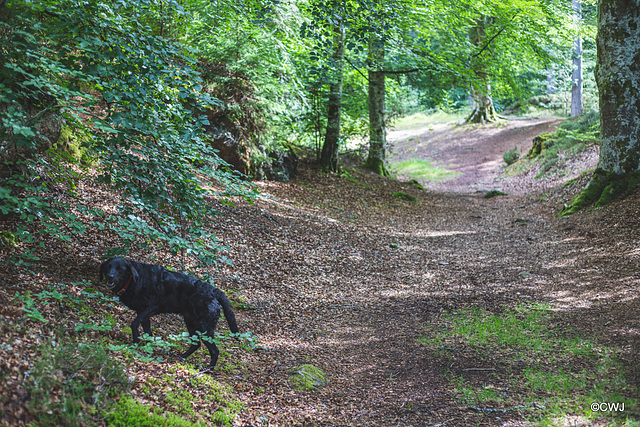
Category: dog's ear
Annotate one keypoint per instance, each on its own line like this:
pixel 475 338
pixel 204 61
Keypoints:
pixel 134 272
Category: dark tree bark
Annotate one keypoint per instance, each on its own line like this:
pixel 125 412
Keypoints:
pixel 376 161
pixel 618 78
pixel 329 157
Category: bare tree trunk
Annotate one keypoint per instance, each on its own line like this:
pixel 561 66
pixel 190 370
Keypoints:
pixel 576 77
pixel 618 78
pixel 376 161
pixel 329 158
pixel 551 81
pixel 483 110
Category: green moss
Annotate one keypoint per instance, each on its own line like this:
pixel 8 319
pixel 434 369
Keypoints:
pixel 494 193
pixel 75 143
pixel 540 143
pixel 603 189
pixel 416 184
pixel 179 402
pixel 307 378
pixel 129 413
pixel 8 239
pixel 404 196
pixel 376 165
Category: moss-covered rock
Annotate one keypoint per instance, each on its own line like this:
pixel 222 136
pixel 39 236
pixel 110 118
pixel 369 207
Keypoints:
pixel 8 239
pixel 416 184
pixel 75 143
pixel 308 378
pixel 494 193
pixel 540 143
pixel 404 196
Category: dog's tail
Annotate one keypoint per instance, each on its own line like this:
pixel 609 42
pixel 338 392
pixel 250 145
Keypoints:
pixel 228 312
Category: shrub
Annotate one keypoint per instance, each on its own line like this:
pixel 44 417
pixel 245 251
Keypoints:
pixel 71 383
pixel 511 156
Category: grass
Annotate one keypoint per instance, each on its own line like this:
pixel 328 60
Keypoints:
pixel 422 169
pixel 418 120
pixel 547 376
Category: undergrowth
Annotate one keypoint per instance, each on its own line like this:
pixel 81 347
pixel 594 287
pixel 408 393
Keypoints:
pixel 573 136
pixel 531 368
pixel 79 376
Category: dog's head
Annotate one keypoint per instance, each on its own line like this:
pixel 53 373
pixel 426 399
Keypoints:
pixel 118 271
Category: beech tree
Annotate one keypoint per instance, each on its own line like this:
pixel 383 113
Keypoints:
pixel 618 79
pixel 330 148
pixel 483 109
pixel 576 75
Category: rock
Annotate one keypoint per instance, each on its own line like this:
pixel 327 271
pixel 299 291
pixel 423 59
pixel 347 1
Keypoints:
pixel 404 196
pixel 494 193
pixel 416 184
pixel 281 166
pixel 227 140
pixel 307 378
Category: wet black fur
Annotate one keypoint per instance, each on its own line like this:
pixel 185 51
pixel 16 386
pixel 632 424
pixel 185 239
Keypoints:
pixel 154 289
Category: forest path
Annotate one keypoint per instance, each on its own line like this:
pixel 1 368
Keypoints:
pixel 342 275
pixel 473 151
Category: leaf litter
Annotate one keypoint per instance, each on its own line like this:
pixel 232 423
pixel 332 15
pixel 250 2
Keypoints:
pixel 340 274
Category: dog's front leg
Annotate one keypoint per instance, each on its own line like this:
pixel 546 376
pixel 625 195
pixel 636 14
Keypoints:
pixel 146 326
pixel 142 317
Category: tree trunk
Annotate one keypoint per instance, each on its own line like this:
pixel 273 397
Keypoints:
pixel 483 110
pixel 618 78
pixel 329 157
pixel 376 161
pixel 551 81
pixel 576 77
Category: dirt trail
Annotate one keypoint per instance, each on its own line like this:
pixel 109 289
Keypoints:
pixel 473 151
pixel 336 272
pixel 360 277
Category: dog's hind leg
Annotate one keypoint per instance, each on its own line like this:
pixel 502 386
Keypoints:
pixel 191 327
pixel 209 327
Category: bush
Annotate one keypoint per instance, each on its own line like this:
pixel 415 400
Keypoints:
pixel 511 156
pixel 71 383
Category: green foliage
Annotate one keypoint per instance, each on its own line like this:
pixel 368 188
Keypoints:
pixel 572 136
pixel 71 382
pixel 511 156
pixel 149 136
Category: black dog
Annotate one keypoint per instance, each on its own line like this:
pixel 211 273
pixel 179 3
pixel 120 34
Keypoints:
pixel 151 289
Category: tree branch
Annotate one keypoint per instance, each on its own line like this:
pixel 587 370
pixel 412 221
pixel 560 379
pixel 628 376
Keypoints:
pixel 486 46
pixel 356 68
